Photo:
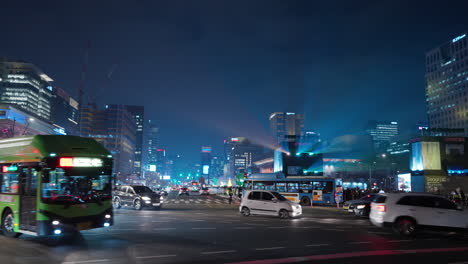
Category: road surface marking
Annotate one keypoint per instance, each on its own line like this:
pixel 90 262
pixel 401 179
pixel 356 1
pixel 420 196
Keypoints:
pixel 187 202
pixel 158 256
pixel 122 229
pixel 401 240
pixel 359 242
pixel 201 228
pixel 86 261
pixel 272 248
pixel 164 228
pixel 318 245
pixel 218 252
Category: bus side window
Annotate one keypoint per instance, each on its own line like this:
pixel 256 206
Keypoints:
pixel 328 188
pixel 9 183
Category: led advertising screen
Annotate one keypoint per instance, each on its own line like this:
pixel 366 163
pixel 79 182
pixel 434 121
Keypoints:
pixel 206 169
pixel 152 167
pixel 404 182
pixel 425 156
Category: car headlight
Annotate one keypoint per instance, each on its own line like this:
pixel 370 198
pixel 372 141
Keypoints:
pixel 161 198
pixel 146 198
pixel 361 206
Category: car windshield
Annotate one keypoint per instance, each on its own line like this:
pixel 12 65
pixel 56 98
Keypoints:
pixel 64 188
pixel 279 196
pixel 142 189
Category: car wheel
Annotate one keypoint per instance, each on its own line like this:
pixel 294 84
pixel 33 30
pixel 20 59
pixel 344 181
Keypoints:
pixel 137 204
pixel 283 214
pixel 8 224
pixel 405 226
pixel 117 204
pixel 245 211
pixel 305 201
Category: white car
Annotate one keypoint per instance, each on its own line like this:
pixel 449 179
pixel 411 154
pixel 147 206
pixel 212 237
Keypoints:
pixel 409 212
pixel 268 203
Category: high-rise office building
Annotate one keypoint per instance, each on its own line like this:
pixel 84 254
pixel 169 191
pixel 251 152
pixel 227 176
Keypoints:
pixel 64 114
pixel 286 124
pixel 25 85
pixel 447 84
pixel 115 128
pixel 382 132
pixel 241 154
pixel 152 145
pixel 138 113
pixel 206 160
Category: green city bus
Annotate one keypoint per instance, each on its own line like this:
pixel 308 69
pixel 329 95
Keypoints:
pixel 50 185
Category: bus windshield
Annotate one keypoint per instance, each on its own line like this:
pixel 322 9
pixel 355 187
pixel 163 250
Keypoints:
pixel 64 188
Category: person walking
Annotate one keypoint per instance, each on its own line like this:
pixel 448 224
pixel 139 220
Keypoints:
pixel 230 195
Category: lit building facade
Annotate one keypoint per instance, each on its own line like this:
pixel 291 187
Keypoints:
pixel 240 154
pixel 382 132
pixel 115 128
pixel 65 111
pixel 138 113
pixel 152 145
pixel 447 84
pixel 286 124
pixel 26 86
pixel 15 122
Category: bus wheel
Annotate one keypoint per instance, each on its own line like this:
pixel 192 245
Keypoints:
pixel 305 201
pixel 117 203
pixel 137 204
pixel 8 223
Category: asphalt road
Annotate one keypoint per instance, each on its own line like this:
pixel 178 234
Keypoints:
pixel 201 229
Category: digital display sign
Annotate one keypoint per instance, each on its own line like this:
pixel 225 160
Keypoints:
pixel 404 182
pixel 80 162
pixel 206 169
pixel 425 156
pixel 152 168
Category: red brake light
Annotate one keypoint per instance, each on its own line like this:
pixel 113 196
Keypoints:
pixel 66 162
pixel 380 208
pixel 5 169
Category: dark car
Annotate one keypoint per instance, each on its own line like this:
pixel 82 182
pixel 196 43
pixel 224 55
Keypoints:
pixel 363 207
pixel 184 191
pixel 136 196
pixel 349 205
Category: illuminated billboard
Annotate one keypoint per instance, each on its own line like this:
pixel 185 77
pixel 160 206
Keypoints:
pixel 404 182
pixel 425 156
pixel 152 168
pixel 166 177
pixel 206 149
pixel 206 169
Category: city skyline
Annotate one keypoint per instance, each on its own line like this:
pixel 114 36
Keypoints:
pixel 199 86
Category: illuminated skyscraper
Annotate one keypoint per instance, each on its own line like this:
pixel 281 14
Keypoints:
pixel 26 86
pixel 138 113
pixel 286 124
pixel 382 132
pixel 152 146
pixel 447 84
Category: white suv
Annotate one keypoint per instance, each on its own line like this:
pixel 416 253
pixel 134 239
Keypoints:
pixel 268 203
pixel 409 212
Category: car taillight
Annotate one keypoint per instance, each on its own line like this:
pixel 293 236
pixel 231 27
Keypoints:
pixel 380 207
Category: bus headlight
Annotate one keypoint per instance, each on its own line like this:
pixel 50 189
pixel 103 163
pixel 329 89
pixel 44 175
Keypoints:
pixel 55 222
pixel 146 198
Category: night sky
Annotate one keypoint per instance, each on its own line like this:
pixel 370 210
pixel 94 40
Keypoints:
pixel 205 70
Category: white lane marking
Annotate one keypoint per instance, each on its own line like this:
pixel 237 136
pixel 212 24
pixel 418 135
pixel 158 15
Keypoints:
pixel 122 229
pixel 164 228
pixel 318 245
pixel 203 228
pixel 218 252
pixel 401 240
pixel 243 227
pixel 86 261
pixel 272 248
pixel 158 256
pixel 187 202
pixel 359 242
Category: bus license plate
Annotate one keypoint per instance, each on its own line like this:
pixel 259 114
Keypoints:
pixel 85 225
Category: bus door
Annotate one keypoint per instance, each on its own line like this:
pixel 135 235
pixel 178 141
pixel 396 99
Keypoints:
pixel 28 198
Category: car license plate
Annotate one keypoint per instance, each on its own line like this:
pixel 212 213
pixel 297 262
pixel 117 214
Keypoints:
pixel 85 225
pixel 156 204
